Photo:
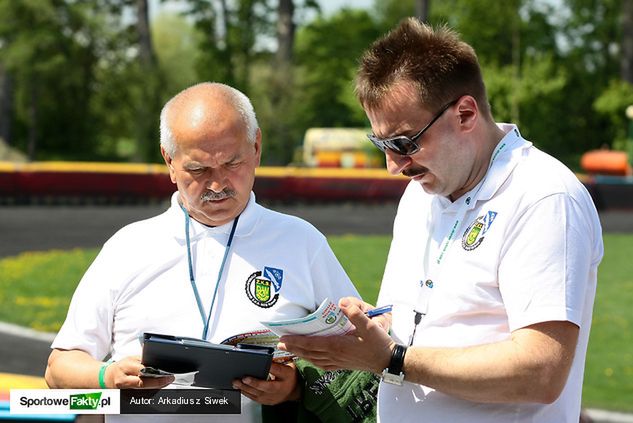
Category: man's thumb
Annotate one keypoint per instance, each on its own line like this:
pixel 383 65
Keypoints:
pixel 356 316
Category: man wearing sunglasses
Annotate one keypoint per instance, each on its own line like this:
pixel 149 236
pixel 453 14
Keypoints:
pixel 493 265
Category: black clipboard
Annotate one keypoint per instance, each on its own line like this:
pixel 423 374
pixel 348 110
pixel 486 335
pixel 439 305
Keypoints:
pixel 217 365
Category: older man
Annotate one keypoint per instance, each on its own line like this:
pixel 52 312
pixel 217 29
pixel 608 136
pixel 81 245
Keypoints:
pixel 193 270
pixel 493 265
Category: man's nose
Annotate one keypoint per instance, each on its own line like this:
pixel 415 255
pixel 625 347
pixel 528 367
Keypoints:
pixel 216 181
pixel 396 163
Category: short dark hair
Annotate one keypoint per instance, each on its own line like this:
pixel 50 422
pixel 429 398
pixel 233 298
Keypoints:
pixel 436 61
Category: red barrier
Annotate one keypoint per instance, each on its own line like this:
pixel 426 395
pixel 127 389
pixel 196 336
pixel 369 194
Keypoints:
pixel 128 182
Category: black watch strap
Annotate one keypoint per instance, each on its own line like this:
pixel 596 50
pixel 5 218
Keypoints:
pixel 397 359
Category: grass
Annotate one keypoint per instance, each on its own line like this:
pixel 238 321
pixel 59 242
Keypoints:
pixel 364 260
pixel 36 287
pixel 609 366
pixel 35 290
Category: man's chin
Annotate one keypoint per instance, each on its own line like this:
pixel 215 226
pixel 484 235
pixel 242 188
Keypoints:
pixel 213 215
pixel 429 187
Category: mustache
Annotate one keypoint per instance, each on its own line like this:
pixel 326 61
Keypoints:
pixel 413 171
pixel 215 196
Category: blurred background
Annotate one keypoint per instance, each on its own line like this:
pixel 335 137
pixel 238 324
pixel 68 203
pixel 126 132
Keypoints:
pixel 85 79
pixel 82 83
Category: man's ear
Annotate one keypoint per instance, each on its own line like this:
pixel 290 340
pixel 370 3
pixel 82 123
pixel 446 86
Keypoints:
pixel 468 112
pixel 168 162
pixel 258 145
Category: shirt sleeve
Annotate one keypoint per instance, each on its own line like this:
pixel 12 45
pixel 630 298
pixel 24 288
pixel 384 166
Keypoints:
pixel 549 262
pixel 88 325
pixel 329 277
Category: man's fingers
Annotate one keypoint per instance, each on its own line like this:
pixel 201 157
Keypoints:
pixel 156 382
pixel 250 387
pixel 307 346
pixel 357 316
pixel 353 301
pixel 282 371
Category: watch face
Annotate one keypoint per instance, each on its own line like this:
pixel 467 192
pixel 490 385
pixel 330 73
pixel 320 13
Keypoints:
pixel 392 378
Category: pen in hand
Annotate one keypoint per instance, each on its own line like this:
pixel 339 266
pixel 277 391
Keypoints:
pixel 378 311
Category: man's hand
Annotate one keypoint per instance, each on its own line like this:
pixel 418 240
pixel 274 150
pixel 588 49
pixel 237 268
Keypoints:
pixel 368 347
pixel 73 369
pixel 125 374
pixel 282 385
pixel 383 320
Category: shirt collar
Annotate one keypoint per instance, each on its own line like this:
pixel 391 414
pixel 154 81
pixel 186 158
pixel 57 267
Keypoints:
pixel 504 163
pixel 497 174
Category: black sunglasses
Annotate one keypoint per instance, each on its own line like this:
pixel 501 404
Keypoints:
pixel 403 145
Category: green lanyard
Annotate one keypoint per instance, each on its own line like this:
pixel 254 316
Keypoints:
pixel 461 214
pixel 426 287
pixel 192 279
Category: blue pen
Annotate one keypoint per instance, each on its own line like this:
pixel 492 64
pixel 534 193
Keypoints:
pixel 378 311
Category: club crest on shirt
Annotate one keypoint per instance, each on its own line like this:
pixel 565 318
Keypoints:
pixel 474 234
pixel 262 288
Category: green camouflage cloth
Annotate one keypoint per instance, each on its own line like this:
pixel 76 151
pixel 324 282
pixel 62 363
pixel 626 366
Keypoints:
pixel 329 396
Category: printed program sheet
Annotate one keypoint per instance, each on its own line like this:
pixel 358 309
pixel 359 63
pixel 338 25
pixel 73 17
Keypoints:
pixel 327 320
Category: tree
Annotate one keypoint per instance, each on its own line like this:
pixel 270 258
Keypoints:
pixel 626 63
pixel 422 9
pixel 176 42
pixel 285 32
pixel 227 49
pixel 327 54
pixel 6 105
pixel 48 48
pixel 149 84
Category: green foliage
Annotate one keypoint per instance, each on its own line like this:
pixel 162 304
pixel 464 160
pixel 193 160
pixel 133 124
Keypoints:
pixel 176 44
pixel 327 52
pixel 519 98
pixel 390 13
pixel 229 31
pixel 318 90
pixel 81 92
pixel 50 49
pixel 612 104
pixel 79 88
pixel 544 64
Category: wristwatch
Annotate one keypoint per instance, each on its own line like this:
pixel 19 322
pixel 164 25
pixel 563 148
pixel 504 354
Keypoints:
pixel 393 373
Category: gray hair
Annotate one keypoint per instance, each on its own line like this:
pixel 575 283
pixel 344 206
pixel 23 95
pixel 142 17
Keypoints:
pixel 238 99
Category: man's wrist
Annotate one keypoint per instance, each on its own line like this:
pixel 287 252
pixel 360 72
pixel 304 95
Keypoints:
pixel 394 373
pixel 102 374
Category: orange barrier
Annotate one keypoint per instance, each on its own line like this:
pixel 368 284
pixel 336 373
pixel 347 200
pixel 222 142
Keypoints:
pixel 606 162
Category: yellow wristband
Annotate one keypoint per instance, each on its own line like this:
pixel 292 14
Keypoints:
pixel 102 371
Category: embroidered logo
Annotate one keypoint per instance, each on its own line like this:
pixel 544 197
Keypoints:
pixel 474 234
pixel 262 288
pixel 276 276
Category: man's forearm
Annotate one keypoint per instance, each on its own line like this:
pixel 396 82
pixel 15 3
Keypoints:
pixel 72 369
pixel 532 366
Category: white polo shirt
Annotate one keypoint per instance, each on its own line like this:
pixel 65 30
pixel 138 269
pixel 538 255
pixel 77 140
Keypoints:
pixel 139 283
pixel 526 252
